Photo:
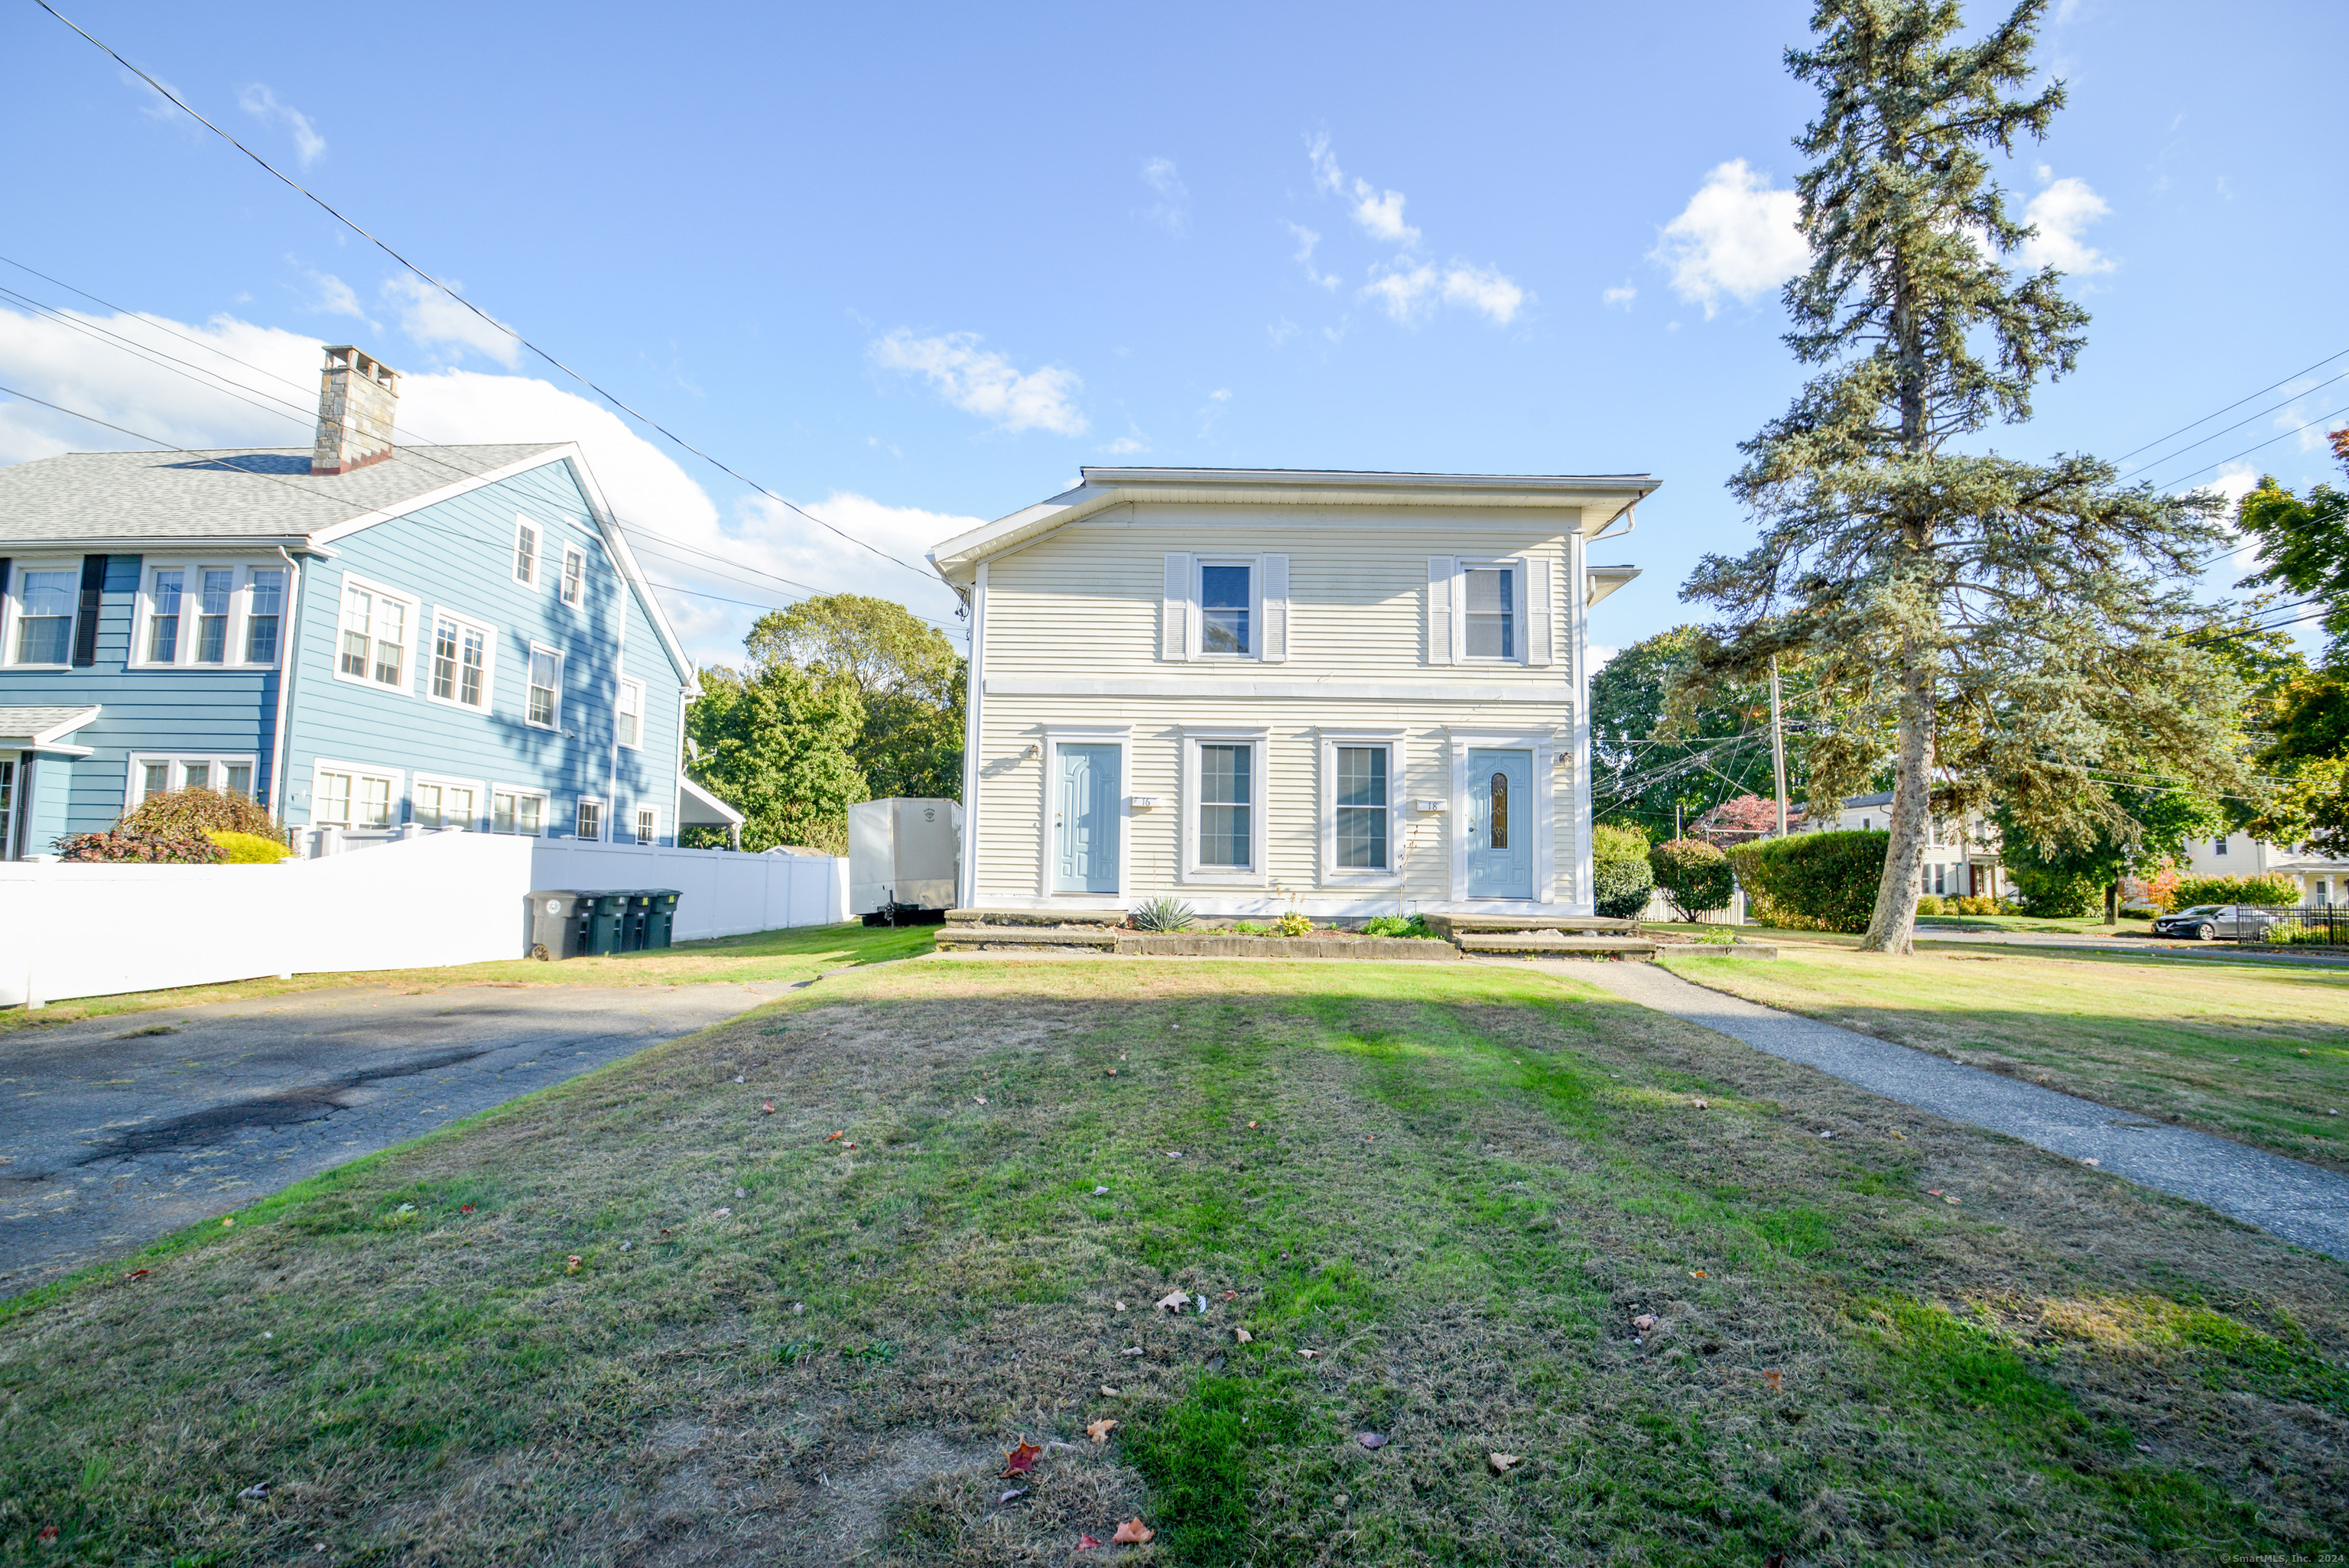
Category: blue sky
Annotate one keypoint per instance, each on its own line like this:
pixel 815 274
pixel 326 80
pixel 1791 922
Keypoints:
pixel 914 266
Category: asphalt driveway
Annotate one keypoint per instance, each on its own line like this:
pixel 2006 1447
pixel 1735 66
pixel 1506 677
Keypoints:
pixel 116 1131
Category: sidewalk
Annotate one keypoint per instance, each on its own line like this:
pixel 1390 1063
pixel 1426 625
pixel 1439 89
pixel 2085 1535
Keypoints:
pixel 2300 1203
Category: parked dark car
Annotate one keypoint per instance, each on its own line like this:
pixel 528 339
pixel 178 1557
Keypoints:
pixel 2206 921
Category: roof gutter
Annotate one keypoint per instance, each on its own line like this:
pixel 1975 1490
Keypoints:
pixel 162 544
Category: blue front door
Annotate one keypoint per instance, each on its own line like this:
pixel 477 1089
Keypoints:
pixel 1500 823
pixel 1085 828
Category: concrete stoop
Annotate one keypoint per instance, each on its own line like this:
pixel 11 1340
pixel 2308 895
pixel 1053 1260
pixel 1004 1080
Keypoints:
pixel 1593 937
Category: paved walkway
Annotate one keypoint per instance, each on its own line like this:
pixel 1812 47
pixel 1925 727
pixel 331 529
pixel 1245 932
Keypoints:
pixel 2137 946
pixel 115 1130
pixel 2299 1202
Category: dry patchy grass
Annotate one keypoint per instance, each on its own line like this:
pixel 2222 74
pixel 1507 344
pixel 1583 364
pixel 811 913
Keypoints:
pixel 1461 1189
pixel 2256 1052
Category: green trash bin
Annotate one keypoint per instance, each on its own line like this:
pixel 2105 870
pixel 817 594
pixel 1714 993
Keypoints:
pixel 601 919
pixel 633 922
pixel 661 917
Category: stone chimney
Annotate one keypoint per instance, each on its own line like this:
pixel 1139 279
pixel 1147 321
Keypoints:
pixel 355 398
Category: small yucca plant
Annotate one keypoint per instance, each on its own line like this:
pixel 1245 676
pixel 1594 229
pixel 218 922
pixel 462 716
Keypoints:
pixel 1295 923
pixel 1163 915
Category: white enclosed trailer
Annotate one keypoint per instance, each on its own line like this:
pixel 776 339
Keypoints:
pixel 904 852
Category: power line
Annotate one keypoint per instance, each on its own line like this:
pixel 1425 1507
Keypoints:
pixel 2272 440
pixel 599 391
pixel 2236 404
pixel 2240 423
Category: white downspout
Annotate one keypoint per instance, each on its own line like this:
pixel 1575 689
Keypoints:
pixel 619 674
pixel 289 658
pixel 1582 895
pixel 974 686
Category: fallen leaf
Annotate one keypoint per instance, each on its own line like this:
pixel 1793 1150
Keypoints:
pixel 1231 1295
pixel 1113 1391
pixel 980 1098
pixel 1309 1354
pixel 47 1533
pixel 1645 1322
pixel 1371 1440
pixel 1021 1460
pixel 1704 1105
pixel 1100 1430
pixel 1932 1191
pixel 1101 1192
pixel 1175 1300
pixel 1502 1463
pixel 1202 1301
pixel 1900 1135
pixel 1251 1124
pixel 573 1265
pixel 1696 1274
pixel 768 1105
pixel 255 1492
pixel 1086 1543
pixel 137 1273
pixel 738 1077
pixel 2089 1161
pixel 1778 1380
pixel 1131 1350
pixel 1132 1532
pixel 1008 1493
pixel 852 1146
pixel 721 1213
pixel 464 1208
pixel 835 1136
pixel 1952 1198
pixel 228 1222
pixel 1121 1306
pixel 1242 1337
pixel 741 1192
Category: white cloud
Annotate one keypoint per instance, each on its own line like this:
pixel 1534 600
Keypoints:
pixel 264 105
pixel 1622 295
pixel 982 382
pixel 1306 239
pixel 1282 331
pixel 1125 446
pixel 650 492
pixel 430 317
pixel 1172 212
pixel 1221 393
pixel 1409 294
pixel 334 298
pixel 2061 212
pixel 1599 653
pixel 1379 213
pixel 2314 431
pixel 1736 237
pixel 155 105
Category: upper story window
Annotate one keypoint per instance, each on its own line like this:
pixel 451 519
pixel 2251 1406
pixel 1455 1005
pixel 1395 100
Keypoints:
pixel 1491 611
pixel 1491 631
pixel 2218 846
pixel 575 574
pixel 194 613
pixel 545 707
pixel 42 601
pixel 377 625
pixel 632 712
pixel 525 561
pixel 460 661
pixel 1225 602
pixel 1225 607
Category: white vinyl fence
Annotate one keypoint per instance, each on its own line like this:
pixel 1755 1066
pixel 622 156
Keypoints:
pixel 71 929
pixel 725 893
pixel 1660 908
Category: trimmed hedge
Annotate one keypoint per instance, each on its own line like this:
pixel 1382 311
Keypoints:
pixel 140 848
pixel 2273 891
pixel 1694 875
pixel 1618 871
pixel 1815 882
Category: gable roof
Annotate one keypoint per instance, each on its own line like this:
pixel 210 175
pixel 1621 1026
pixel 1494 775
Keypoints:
pixel 1606 495
pixel 259 493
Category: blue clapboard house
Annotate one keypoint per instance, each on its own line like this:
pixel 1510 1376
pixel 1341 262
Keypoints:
pixel 362 636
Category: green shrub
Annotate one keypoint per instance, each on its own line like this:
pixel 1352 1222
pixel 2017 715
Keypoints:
pixel 2272 890
pixel 140 848
pixel 1977 904
pixel 1249 928
pixel 1294 923
pixel 1163 915
pixel 1396 925
pixel 248 849
pixel 187 813
pixel 1694 875
pixel 1933 903
pixel 2054 894
pixel 1817 881
pixel 1619 870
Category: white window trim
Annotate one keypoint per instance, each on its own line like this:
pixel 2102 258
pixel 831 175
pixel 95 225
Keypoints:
pixel 1048 838
pixel 1332 875
pixel 561 658
pixel 416 629
pixel 627 681
pixel 481 797
pixel 603 818
pixel 1255 874
pixel 1198 612
pixel 537 552
pixel 545 802
pixel 488 658
pixel 12 608
pixel 240 611
pixel 1547 792
pixel 359 770
pixel 134 777
pixel 635 836
pixel 571 552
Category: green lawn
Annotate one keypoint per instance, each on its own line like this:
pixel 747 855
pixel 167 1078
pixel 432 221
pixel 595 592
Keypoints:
pixel 640 1318
pixel 2259 1052
pixel 2096 927
pixel 794 954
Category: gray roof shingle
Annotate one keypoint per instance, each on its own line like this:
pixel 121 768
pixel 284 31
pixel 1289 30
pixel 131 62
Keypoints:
pixel 234 493
pixel 21 724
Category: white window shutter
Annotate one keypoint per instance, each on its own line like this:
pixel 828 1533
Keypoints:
pixel 1440 618
pixel 1539 648
pixel 1276 609
pixel 1174 610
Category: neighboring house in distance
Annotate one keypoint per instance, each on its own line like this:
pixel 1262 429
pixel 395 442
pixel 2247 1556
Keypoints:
pixel 359 636
pixel 2321 879
pixel 1259 690
pixel 1962 858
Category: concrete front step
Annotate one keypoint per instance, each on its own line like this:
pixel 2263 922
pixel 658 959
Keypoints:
pixel 1008 938
pixel 1100 917
pixel 1456 925
pixel 1550 941
pixel 1213 944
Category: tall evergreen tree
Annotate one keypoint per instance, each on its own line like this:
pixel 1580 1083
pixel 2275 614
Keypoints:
pixel 1980 622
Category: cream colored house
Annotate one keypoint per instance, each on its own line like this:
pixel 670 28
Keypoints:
pixel 1349 694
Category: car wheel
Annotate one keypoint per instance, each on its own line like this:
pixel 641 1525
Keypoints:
pixel 2205 932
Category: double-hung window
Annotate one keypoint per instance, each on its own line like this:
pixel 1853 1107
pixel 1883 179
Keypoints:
pixel 1361 823
pixel 589 823
pixel 575 575
pixel 194 615
pixel 546 706
pixel 1226 607
pixel 165 587
pixel 375 627
pixel 632 712
pixel 1224 805
pixel 45 615
pixel 265 612
pixel 1491 628
pixel 213 588
pixel 156 775
pixel 648 824
pixel 460 662
pixel 525 560
pixel 514 810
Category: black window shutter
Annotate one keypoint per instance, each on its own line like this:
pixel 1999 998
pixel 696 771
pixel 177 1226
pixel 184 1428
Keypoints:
pixel 93 590
pixel 4 577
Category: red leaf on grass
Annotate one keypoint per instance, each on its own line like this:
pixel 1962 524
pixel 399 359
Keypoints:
pixel 1132 1532
pixel 768 1105
pixel 464 1208
pixel 1021 1460
pixel 836 1137
pixel 137 1273
pixel 1086 1543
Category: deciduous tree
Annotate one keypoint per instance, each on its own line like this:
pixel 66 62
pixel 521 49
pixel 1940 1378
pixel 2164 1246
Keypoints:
pixel 906 676
pixel 775 746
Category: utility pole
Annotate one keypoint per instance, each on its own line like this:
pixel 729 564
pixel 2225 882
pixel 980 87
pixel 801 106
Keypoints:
pixel 1678 832
pixel 1777 747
